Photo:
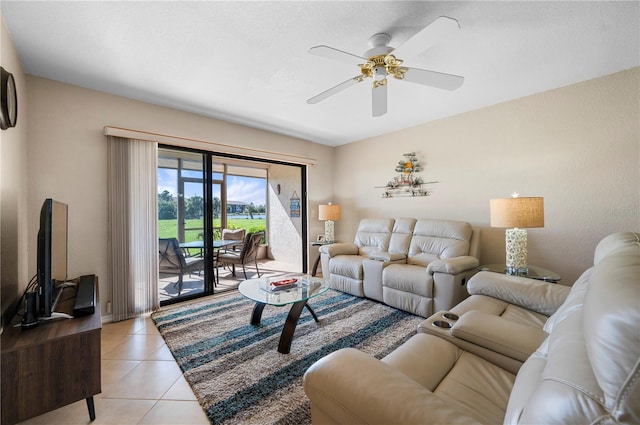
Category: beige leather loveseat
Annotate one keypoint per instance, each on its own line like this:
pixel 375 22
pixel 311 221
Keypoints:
pixel 585 369
pixel 419 266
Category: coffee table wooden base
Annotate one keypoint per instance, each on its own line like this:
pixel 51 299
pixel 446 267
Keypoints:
pixel 284 346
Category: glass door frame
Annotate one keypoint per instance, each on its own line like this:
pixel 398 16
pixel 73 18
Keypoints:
pixel 208 236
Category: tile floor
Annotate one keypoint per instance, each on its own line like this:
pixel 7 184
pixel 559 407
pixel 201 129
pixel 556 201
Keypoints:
pixel 141 382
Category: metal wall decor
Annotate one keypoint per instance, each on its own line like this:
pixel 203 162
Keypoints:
pixel 407 183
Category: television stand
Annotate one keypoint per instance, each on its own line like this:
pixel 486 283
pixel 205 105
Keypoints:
pixel 55 315
pixel 51 365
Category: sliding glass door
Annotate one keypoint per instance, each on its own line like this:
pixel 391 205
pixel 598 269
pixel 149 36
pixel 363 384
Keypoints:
pixel 200 194
pixel 181 213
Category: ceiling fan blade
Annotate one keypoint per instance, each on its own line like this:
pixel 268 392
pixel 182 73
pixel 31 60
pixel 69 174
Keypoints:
pixel 433 78
pixel 333 90
pixel 379 100
pixel 427 37
pixel 335 54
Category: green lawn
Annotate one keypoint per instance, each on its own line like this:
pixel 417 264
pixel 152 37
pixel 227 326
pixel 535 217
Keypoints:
pixel 169 228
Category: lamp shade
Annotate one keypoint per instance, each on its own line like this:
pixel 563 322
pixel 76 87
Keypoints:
pixel 329 212
pixel 525 212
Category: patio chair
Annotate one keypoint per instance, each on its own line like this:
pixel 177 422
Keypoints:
pixel 229 235
pixel 173 261
pixel 236 235
pixel 248 254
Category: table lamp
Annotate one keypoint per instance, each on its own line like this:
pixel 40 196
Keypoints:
pixel 329 213
pixel 518 213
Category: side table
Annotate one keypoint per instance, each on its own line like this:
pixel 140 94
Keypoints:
pixel 533 272
pixel 314 269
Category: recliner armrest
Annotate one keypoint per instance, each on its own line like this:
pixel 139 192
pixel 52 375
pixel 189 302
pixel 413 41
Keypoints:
pixel 495 333
pixel 339 249
pixel 388 256
pixel 454 265
pixel 536 295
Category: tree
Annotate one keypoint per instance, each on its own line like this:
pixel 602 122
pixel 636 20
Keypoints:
pixel 165 196
pixel 193 207
pixel 167 207
pixel 251 209
pixel 217 207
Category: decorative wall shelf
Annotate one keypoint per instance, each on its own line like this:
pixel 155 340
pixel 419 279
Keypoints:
pixel 407 183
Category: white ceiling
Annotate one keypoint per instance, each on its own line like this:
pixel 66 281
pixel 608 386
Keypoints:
pixel 248 62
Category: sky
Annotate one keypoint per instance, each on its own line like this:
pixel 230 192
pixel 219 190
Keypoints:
pixel 243 189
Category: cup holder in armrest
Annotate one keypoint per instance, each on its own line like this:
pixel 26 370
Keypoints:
pixel 442 324
pixel 451 316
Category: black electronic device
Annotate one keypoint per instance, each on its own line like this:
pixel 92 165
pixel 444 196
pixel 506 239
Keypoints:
pixel 30 318
pixel 52 255
pixel 85 296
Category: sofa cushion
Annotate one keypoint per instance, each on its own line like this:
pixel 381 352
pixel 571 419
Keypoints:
pixel 347 265
pixel 435 239
pixel 373 235
pixel 475 387
pixel 425 359
pixel 406 278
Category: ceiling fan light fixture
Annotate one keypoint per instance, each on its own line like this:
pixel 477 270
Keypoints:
pixel 379 72
pixel 379 63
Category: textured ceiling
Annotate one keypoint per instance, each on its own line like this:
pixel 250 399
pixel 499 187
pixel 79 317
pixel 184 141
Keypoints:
pixel 248 62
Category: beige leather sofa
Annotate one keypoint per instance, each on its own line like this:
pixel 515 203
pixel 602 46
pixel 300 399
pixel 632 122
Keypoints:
pixel 586 369
pixel 419 266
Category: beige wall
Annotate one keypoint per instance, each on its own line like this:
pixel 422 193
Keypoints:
pixel 285 231
pixel 67 156
pixel 14 274
pixel 576 146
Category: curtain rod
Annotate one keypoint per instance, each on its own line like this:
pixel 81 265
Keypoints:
pixel 195 143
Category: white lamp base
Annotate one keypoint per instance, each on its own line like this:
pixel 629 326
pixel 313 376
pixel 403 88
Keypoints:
pixel 328 231
pixel 516 243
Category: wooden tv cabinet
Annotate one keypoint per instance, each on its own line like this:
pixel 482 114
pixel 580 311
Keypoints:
pixel 52 365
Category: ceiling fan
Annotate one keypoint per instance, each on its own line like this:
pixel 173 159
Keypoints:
pixel 381 61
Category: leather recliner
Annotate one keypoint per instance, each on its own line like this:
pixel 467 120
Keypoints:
pixel 418 266
pixel 585 370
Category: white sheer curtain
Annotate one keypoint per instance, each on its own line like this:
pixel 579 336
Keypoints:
pixel 133 212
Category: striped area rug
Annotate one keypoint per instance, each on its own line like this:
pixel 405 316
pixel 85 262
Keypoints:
pixel 235 369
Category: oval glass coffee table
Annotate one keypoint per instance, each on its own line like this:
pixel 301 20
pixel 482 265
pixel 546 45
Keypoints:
pixel 262 291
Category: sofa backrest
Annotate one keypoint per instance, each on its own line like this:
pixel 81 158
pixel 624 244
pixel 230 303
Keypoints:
pixel 616 243
pixel 587 370
pixel 401 235
pixel 435 239
pixel 373 235
pixel 612 334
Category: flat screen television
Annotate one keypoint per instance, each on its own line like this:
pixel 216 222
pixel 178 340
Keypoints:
pixel 52 255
